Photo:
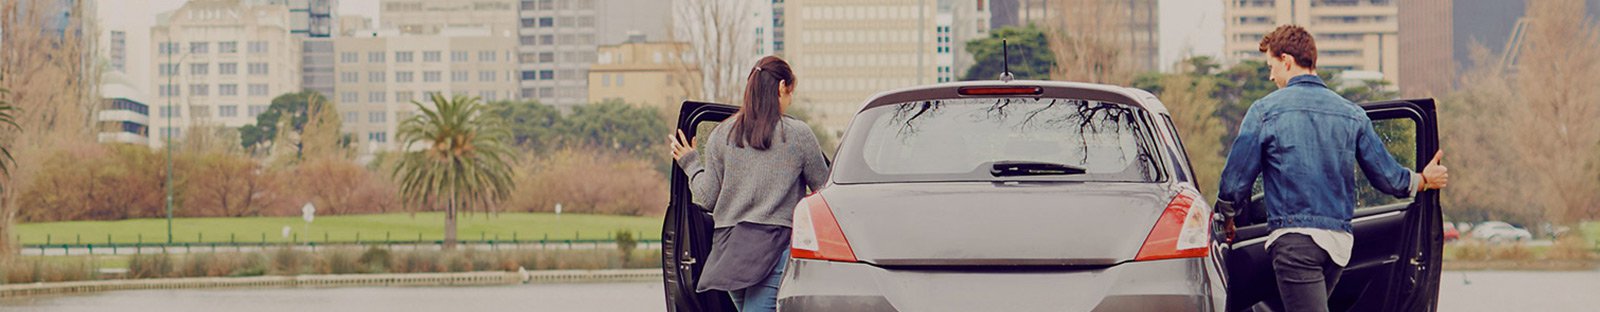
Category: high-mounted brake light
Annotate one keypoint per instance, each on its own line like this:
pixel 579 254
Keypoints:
pixel 1182 231
pixel 816 233
pixel 1000 91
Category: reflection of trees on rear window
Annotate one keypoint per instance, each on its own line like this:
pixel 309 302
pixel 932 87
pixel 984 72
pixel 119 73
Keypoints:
pixel 958 140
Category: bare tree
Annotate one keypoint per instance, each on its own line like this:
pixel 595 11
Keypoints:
pixel 721 38
pixel 1556 121
pixel 52 83
pixel 1086 36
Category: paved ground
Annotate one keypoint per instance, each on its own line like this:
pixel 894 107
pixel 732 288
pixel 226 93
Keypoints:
pixel 1460 291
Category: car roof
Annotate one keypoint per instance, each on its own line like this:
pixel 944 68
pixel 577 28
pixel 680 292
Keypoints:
pixel 1052 89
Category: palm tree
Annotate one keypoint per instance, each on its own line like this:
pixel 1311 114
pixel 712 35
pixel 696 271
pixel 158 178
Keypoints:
pixel 453 156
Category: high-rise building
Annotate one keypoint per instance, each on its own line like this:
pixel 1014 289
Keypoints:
pixel 429 17
pixel 650 74
pixel 1133 24
pixel 380 74
pixel 845 51
pixel 557 41
pixel 1438 35
pixel 220 63
pixel 1352 35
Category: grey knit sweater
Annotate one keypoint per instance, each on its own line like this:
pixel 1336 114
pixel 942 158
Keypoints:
pixel 748 185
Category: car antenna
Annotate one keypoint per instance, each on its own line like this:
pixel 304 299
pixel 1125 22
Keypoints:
pixel 1005 62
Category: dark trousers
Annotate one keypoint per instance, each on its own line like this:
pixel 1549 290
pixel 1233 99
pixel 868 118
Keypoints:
pixel 1306 275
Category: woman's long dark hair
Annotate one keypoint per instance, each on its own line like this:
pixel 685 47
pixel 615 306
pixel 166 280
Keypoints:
pixel 761 112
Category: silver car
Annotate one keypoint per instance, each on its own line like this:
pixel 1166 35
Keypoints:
pixel 1044 196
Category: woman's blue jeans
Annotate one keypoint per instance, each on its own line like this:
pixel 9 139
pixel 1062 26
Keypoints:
pixel 762 296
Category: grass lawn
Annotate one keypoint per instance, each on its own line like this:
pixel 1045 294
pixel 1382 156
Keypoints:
pixel 1591 231
pixel 395 226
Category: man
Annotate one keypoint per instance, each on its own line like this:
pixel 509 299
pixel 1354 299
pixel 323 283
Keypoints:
pixel 1306 141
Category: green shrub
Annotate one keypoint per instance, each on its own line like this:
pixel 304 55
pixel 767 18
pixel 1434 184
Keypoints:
pixel 375 259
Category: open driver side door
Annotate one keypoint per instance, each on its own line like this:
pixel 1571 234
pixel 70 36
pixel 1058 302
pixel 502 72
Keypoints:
pixel 1395 264
pixel 686 232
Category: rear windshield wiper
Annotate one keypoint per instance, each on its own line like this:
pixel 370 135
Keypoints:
pixel 1031 168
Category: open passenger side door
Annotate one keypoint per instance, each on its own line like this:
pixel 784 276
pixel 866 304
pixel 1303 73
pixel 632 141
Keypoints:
pixel 686 232
pixel 1395 264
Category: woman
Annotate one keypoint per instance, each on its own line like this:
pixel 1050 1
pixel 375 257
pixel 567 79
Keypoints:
pixel 755 167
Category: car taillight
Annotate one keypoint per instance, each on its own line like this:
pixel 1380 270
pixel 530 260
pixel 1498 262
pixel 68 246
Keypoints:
pixel 1183 231
pixel 816 233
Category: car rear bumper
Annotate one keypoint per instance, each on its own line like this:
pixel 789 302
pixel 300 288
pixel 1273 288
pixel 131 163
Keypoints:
pixel 1166 285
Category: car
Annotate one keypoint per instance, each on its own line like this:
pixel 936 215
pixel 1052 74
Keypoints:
pixel 1450 232
pixel 1042 195
pixel 1497 232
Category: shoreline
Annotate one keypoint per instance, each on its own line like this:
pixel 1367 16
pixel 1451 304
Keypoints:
pixel 480 278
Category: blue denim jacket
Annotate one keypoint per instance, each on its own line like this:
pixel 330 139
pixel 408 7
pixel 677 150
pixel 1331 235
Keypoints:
pixel 1306 140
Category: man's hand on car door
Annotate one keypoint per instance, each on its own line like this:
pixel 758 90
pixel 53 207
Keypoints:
pixel 1435 176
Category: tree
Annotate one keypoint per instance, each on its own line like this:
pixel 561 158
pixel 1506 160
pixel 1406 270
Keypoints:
pixel 221 184
pixel 265 131
pixel 1555 123
pixel 1188 97
pixel 533 126
pixel 455 157
pixel 720 37
pixel 1029 54
pixel 615 125
pixel 56 98
pixel 1085 38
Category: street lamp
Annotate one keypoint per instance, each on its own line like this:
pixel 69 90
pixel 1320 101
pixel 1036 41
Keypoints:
pixel 168 134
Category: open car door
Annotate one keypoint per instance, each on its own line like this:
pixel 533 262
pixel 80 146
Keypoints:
pixel 686 233
pixel 1395 264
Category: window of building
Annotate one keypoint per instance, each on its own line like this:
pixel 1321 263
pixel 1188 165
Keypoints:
pixel 258 47
pixel 199 47
pixel 402 57
pixel 171 111
pixel 259 89
pixel 547 74
pixel 168 48
pixel 547 22
pixel 227 89
pixel 258 69
pixel 377 97
pixel 200 69
pixel 380 137
pixel 349 57
pixel 228 111
pixel 349 77
pixel 402 76
pixel 349 97
pixel 352 117
pixel 431 76
pixel 605 80
pixel 460 56
pixel 460 76
pixel 486 76
pixel 404 96
pixel 228 47
pixel 375 57
pixel 199 89
pixel 227 68
pixel 547 57
pixel 430 56
pixel 257 109
pixel 486 56
pixel 168 69
pixel 376 77
pixel 377 117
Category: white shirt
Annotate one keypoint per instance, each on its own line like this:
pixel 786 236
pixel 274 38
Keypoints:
pixel 1335 242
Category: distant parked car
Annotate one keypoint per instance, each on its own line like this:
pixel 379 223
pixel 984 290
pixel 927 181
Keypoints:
pixel 1450 232
pixel 1496 231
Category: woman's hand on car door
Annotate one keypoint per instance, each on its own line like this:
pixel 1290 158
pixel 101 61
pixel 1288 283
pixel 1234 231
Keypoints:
pixel 681 145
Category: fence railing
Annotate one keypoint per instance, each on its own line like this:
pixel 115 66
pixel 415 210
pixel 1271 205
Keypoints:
pixel 112 246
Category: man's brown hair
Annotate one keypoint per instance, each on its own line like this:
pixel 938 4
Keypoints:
pixel 1294 41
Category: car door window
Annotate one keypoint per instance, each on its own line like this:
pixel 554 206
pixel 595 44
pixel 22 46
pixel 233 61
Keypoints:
pixel 1400 138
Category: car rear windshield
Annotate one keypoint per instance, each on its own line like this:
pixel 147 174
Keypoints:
pixel 964 139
